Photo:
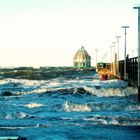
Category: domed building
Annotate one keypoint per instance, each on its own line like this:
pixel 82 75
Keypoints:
pixel 82 59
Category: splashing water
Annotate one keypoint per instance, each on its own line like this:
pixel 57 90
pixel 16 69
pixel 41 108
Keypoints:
pixel 69 108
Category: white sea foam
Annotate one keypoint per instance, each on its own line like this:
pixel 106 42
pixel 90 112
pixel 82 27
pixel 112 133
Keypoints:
pixel 54 83
pixel 8 117
pixel 135 107
pixel 106 92
pixel 103 92
pixel 12 128
pixel 114 120
pixel 75 107
pixel 21 115
pixel 95 87
pixel 33 105
pixel 13 115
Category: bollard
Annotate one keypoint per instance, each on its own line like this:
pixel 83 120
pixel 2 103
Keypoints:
pixel 104 77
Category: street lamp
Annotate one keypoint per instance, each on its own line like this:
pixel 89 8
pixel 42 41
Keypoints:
pixel 125 27
pixel 118 73
pixel 111 58
pixel 138 7
pixel 114 48
pixel 96 51
pixel 114 56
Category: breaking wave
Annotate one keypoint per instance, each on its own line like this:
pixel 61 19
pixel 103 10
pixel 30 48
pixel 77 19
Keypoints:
pixel 69 107
pixel 66 105
pixel 114 120
pixel 33 105
pixel 15 87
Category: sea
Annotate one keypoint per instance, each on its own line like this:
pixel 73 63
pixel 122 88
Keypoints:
pixel 74 107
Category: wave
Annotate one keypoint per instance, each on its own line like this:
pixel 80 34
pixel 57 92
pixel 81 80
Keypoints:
pixel 114 120
pixel 13 115
pixel 107 92
pixel 16 87
pixel 77 92
pixel 70 107
pixel 33 105
pixel 93 91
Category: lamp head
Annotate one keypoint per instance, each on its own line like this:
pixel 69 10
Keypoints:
pixel 126 26
pixel 118 36
pixel 137 6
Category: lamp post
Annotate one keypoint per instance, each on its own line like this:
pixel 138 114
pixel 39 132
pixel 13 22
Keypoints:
pixel 125 27
pixel 118 73
pixel 114 71
pixel 96 51
pixel 111 59
pixel 138 7
pixel 114 48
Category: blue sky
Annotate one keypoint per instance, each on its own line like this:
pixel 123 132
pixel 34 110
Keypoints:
pixel 49 32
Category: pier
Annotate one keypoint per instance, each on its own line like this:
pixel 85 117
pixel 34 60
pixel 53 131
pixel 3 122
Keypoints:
pixel 110 70
pixel 127 69
pixel 131 70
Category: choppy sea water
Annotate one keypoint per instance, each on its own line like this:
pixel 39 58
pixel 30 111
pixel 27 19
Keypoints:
pixel 80 108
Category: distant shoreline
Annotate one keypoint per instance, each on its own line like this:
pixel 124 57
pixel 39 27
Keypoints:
pixel 43 73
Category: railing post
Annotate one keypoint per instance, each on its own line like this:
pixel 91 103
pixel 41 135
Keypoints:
pixel 138 7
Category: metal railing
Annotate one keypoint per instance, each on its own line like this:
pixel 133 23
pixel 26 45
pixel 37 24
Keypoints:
pixel 131 70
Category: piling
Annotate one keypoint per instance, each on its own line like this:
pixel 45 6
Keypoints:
pixel 138 7
pixel 139 93
pixel 139 53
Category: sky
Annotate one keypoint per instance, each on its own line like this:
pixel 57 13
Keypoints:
pixel 49 32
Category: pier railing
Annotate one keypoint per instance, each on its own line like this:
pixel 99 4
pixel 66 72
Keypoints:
pixel 131 70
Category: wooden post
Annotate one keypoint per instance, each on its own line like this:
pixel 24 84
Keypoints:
pixel 139 54
pixel 139 85
pixel 138 7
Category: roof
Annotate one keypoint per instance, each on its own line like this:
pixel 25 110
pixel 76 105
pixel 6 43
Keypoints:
pixel 82 55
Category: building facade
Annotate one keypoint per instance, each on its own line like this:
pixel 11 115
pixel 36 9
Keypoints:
pixel 82 59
